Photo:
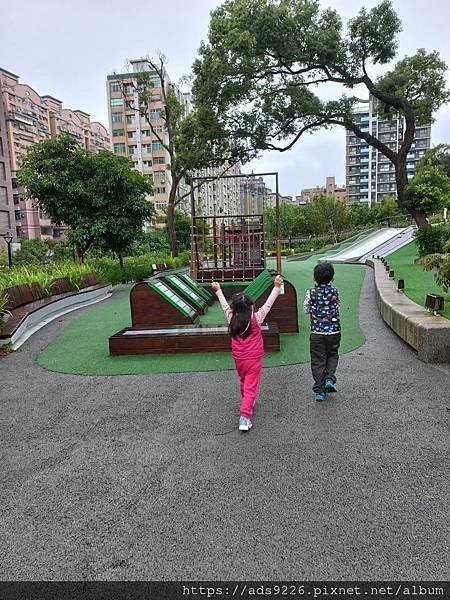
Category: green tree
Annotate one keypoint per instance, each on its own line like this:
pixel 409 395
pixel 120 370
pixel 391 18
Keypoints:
pixel 429 189
pixel 98 196
pixel 328 215
pixel 119 200
pixel 388 209
pixel 193 140
pixel 264 58
pixel 183 230
pixel 361 215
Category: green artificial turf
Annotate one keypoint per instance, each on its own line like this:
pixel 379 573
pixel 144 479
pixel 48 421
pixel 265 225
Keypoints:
pixel 82 348
pixel 418 283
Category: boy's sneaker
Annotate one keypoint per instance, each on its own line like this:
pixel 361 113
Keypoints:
pixel 330 386
pixel 244 424
pixel 320 397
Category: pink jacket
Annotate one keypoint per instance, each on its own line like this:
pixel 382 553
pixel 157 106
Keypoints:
pixel 252 346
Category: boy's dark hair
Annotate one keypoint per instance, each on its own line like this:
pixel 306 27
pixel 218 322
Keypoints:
pixel 323 273
pixel 242 307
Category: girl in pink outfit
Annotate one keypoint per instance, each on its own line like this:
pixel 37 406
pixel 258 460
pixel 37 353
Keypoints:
pixel 247 347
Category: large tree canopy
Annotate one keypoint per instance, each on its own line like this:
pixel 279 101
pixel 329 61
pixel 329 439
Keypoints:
pixel 99 196
pixel 264 59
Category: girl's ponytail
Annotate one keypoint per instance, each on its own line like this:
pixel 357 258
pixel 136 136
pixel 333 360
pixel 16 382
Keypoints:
pixel 242 307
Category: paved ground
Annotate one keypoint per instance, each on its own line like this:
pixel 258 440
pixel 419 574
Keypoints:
pixel 146 477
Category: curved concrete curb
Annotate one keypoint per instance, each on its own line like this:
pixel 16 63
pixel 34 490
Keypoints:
pixel 427 334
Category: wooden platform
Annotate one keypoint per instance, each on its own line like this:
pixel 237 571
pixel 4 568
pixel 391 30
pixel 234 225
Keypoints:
pixel 183 339
pixel 149 308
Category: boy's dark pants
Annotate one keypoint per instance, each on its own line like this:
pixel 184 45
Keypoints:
pixel 324 358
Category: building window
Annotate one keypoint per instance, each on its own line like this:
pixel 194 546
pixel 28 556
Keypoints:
pixel 2 171
pixel 118 132
pixel 146 132
pixel 132 149
pixel 160 190
pixel 131 119
pixel 147 163
pixel 114 87
pixel 159 160
pixel 119 148
pixel 157 146
pixel 129 90
pixel 131 134
pixel 160 205
pixel 154 114
pixel 116 102
pixel 117 117
pixel 3 196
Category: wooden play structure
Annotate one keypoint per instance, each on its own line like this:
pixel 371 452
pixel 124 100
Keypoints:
pixel 165 310
pixel 230 247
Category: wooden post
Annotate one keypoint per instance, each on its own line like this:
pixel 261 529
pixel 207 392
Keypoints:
pixel 194 266
pixel 277 224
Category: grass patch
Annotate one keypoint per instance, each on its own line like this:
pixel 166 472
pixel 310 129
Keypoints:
pixel 418 283
pixel 82 348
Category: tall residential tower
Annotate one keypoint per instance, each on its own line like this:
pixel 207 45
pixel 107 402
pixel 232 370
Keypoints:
pixel 370 175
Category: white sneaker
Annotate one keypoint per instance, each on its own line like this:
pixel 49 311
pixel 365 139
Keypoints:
pixel 244 424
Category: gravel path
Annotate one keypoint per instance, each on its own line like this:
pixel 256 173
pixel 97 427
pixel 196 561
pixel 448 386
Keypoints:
pixel 147 477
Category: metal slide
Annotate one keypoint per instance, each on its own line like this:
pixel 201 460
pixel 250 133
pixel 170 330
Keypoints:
pixel 364 247
pixel 393 244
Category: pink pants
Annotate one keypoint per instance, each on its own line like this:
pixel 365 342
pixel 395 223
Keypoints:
pixel 249 372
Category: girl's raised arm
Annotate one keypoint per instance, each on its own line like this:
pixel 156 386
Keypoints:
pixel 223 303
pixel 265 308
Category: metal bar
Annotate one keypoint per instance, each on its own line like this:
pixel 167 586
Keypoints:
pixel 215 241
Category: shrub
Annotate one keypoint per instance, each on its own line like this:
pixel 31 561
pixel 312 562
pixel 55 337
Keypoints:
pixel 432 241
pixel 440 263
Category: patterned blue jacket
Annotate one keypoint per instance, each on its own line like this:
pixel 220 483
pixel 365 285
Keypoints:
pixel 322 304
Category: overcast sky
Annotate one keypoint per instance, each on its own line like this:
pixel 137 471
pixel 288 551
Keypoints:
pixel 66 48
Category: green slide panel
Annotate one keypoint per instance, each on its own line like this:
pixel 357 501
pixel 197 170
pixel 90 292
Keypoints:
pixel 194 298
pixel 194 285
pixel 261 284
pixel 172 298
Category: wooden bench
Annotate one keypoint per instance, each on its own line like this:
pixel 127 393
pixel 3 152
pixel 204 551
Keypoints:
pixel 26 299
pixel 182 339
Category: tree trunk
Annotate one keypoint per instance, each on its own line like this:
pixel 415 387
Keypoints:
pixel 171 217
pixel 80 254
pixel 401 177
pixel 121 261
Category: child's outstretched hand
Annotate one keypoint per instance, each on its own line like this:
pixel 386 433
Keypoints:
pixel 278 281
pixel 215 286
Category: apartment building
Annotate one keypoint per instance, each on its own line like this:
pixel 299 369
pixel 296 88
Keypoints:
pixel 132 137
pixel 370 175
pixel 131 133
pixel 219 196
pixel 7 217
pixel 330 189
pixel 254 195
pixel 31 118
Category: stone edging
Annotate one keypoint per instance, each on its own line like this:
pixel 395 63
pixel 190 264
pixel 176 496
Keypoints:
pixel 426 333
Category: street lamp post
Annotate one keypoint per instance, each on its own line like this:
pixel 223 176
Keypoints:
pixel 8 239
